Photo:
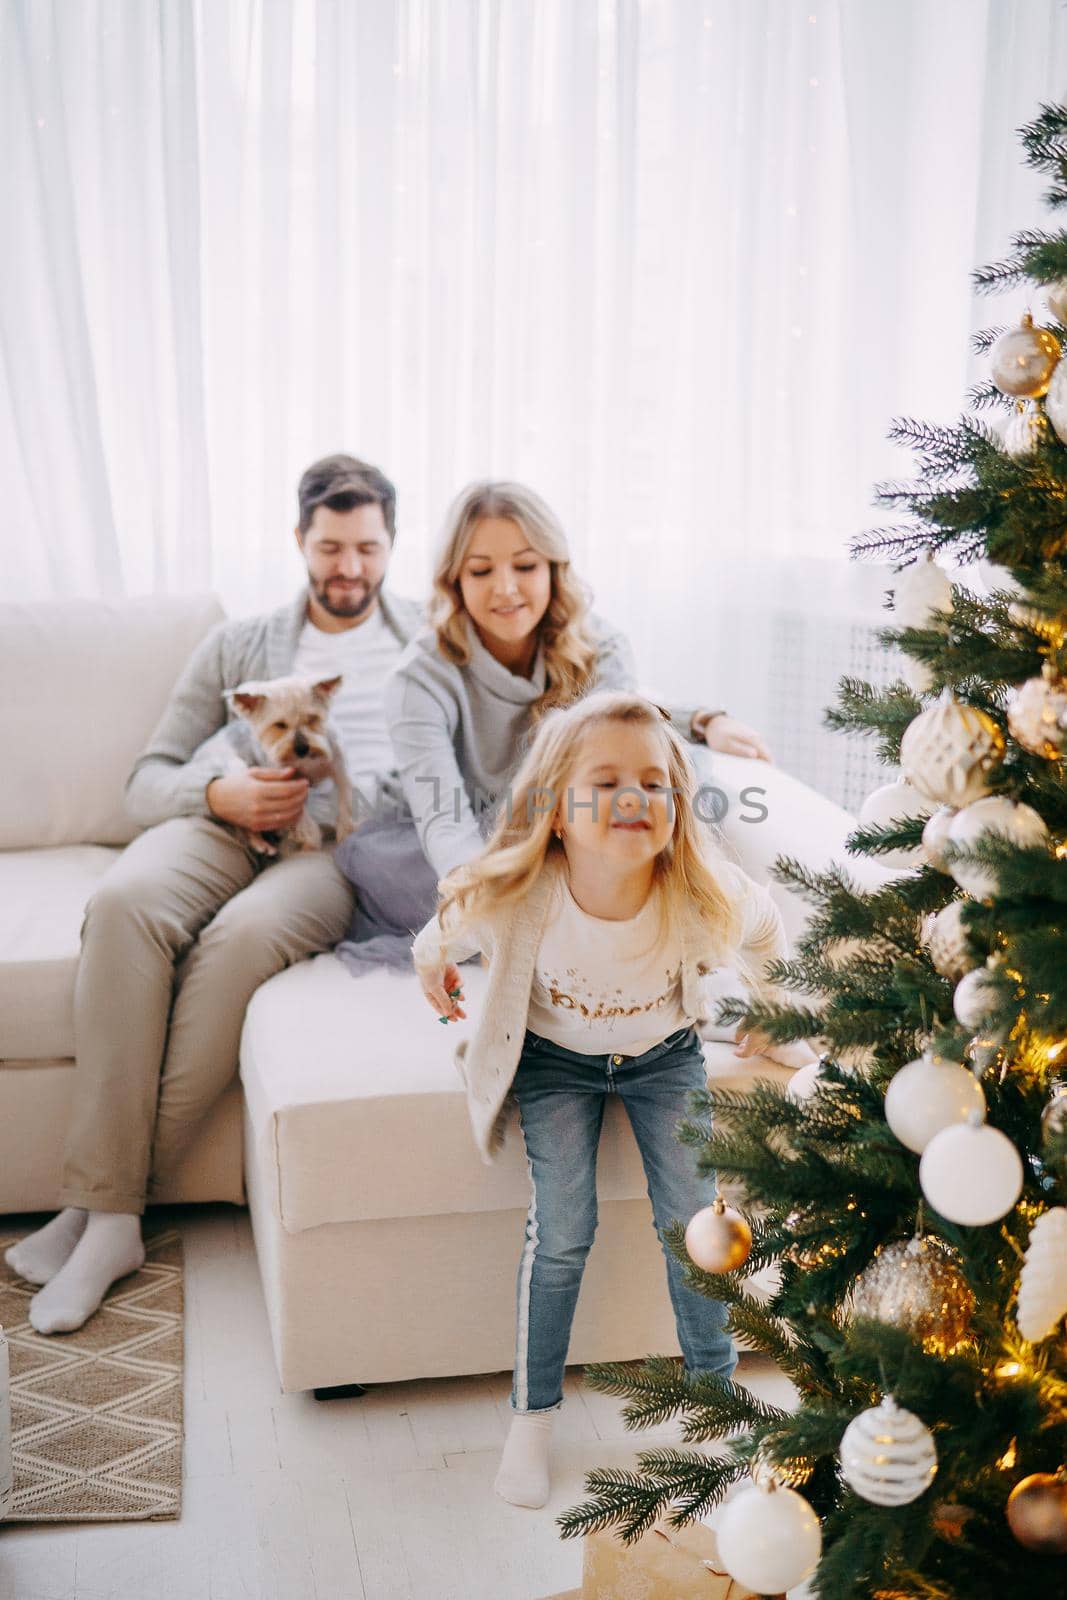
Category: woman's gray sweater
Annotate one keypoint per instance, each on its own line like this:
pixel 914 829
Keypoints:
pixel 459 733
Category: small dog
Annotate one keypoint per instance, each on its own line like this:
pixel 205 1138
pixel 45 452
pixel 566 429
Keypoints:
pixel 282 722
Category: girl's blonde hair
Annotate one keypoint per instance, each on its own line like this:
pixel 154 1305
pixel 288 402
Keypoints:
pixel 514 856
pixel 569 651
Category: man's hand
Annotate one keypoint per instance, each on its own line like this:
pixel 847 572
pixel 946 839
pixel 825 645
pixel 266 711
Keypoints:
pixel 731 737
pixel 443 990
pixel 261 799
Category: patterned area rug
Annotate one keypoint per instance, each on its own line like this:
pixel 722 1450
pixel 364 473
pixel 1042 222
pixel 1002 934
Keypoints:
pixel 97 1414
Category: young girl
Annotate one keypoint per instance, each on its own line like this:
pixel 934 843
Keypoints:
pixel 600 911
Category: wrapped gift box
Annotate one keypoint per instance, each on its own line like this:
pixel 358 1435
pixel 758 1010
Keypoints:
pixel 667 1563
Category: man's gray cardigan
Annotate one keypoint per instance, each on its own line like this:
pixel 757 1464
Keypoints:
pixel 166 780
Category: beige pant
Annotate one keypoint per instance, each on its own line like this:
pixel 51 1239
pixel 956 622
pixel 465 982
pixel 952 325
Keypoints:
pixel 181 932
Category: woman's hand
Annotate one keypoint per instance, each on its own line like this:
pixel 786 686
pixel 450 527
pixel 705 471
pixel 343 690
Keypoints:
pixel 733 738
pixel 443 990
pixel 751 1041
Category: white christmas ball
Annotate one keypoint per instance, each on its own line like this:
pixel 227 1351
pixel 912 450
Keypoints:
pixel 1056 401
pixel 916 674
pixel 922 596
pixel 975 999
pixel 935 836
pixel 928 1095
pixel 971 1174
pixel 769 1539
pixel 895 802
pixel 804 1082
pixel 945 936
pixel 888 1455
pixel 1043 1283
pixel 998 817
pixel 1056 295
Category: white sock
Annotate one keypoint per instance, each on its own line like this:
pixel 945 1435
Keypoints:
pixel 39 1257
pixel 523 1475
pixel 109 1248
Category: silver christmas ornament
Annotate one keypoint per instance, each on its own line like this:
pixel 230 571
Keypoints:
pixel 1024 430
pixel 994 817
pixel 888 1455
pixel 948 751
pixel 946 938
pixel 1024 360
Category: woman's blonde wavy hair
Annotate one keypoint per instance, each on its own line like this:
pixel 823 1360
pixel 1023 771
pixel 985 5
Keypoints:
pixel 515 853
pixel 569 650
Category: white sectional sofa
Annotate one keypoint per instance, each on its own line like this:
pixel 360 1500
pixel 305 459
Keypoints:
pixel 387 1249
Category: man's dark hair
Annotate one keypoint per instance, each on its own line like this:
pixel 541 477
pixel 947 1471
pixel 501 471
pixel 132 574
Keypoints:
pixel 342 483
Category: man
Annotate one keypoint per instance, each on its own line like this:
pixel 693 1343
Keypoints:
pixel 190 921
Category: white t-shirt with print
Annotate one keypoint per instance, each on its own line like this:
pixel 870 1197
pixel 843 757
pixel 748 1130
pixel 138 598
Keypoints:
pixel 601 987
pixel 363 657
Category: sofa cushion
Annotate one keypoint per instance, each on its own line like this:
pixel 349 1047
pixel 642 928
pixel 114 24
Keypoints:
pixel 354 1081
pixel 43 894
pixel 92 682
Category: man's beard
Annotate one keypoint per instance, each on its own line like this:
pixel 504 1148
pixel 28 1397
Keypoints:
pixel 352 606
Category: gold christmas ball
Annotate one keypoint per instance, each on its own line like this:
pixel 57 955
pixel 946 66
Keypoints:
pixel 1034 620
pixel 718 1238
pixel 1024 360
pixel 948 751
pixel 1037 714
pixel 1037 1512
pixel 917 1285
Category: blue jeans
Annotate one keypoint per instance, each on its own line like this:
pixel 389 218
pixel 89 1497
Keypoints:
pixel 561 1095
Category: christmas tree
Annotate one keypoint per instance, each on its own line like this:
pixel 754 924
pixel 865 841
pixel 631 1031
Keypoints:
pixel 911 1192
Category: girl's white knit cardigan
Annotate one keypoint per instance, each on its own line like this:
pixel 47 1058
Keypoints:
pixel 488 1060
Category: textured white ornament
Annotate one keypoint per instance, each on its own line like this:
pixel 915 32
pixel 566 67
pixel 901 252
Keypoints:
pixel 1037 715
pixel 995 817
pixel 935 837
pixel 888 1455
pixel 1056 295
pixel 971 1174
pixel 923 596
pixel 1024 430
pixel 975 998
pixel 928 1095
pixel 948 751
pixel 895 802
pixel 1043 1283
pixel 945 936
pixel 768 1539
pixel 1024 359
pixel 1056 401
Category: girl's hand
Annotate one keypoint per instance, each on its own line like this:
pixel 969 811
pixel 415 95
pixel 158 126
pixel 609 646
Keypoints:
pixel 751 1041
pixel 734 738
pixel 443 989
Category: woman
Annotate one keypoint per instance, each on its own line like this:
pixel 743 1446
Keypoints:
pixel 510 635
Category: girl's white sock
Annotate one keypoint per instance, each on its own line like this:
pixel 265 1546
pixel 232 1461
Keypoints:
pixel 523 1476
pixel 39 1256
pixel 109 1248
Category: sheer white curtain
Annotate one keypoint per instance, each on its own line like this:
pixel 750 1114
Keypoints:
pixel 674 262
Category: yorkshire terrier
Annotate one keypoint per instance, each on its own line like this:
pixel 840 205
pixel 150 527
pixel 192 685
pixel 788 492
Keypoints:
pixel 283 722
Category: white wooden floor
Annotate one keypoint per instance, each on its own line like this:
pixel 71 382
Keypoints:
pixel 387 1497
